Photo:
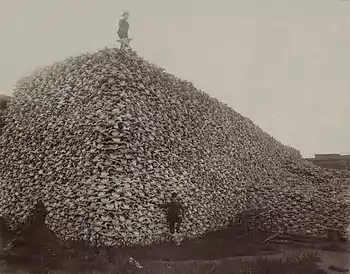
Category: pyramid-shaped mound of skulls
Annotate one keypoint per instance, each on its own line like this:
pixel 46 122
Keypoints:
pixel 102 139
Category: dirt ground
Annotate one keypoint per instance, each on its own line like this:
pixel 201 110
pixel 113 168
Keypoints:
pixel 37 250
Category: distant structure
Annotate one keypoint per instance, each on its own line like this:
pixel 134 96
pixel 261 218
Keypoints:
pixel 3 101
pixel 334 161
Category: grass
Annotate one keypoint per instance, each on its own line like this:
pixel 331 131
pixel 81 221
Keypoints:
pixel 217 254
pixel 293 263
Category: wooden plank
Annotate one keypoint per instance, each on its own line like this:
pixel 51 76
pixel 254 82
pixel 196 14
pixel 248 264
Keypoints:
pixel 271 237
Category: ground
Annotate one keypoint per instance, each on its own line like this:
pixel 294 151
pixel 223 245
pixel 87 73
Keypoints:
pixel 37 250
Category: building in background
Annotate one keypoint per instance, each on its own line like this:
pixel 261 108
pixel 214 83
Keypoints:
pixel 334 161
pixel 3 101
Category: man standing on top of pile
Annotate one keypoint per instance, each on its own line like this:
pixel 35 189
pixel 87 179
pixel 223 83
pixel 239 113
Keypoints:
pixel 175 212
pixel 123 30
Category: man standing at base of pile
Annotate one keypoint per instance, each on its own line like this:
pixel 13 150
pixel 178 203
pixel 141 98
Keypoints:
pixel 175 212
pixel 123 30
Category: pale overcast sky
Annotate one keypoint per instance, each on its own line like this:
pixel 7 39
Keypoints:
pixel 285 64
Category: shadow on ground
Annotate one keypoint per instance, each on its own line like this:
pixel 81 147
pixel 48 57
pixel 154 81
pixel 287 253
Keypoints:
pixel 37 250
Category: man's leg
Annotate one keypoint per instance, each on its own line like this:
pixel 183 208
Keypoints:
pixel 122 45
pixel 178 224
pixel 172 227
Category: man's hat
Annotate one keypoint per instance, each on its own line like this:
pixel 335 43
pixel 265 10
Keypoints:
pixel 125 13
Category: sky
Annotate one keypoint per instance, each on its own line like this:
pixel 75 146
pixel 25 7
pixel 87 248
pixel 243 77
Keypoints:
pixel 285 64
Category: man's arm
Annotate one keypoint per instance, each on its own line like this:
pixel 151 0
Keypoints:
pixel 165 205
pixel 121 23
pixel 182 208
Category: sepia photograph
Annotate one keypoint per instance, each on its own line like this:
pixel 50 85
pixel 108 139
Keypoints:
pixel 174 137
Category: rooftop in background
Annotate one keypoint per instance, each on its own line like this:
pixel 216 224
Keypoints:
pixel 334 161
pixel 5 97
pixel 3 101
